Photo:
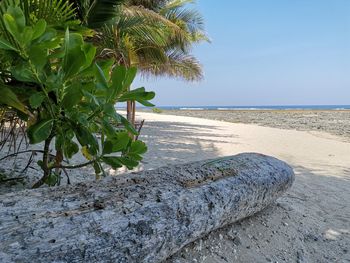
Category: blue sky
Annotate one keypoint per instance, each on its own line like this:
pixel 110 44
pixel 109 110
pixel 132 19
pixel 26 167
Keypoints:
pixel 267 52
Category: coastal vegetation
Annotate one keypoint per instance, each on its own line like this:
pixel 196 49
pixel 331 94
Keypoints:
pixel 64 93
pixel 65 64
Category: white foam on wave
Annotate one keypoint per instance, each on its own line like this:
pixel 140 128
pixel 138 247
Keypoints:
pixel 191 108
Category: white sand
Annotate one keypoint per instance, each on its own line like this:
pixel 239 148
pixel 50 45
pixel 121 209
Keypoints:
pixel 311 223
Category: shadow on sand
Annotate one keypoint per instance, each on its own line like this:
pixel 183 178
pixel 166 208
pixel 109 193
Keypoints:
pixel 194 142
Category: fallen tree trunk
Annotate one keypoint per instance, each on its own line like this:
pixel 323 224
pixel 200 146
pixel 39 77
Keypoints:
pixel 140 217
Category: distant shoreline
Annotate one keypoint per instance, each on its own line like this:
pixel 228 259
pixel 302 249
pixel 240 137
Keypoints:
pixel 237 108
pixel 335 122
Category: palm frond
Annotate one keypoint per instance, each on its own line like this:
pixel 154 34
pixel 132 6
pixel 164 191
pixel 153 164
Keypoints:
pixel 129 35
pixel 188 20
pixel 154 35
pixel 175 4
pixel 97 13
pixel 176 65
pixel 154 5
pixel 172 32
pixel 55 12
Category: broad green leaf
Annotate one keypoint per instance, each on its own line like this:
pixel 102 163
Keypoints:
pixel 82 119
pixel 145 103
pixel 127 125
pixel 130 163
pixel 116 144
pixel 9 98
pixel 86 138
pixel 36 99
pixel 26 36
pixel 130 76
pixel 52 179
pixel 107 147
pixel 110 111
pixel 114 162
pixel 11 26
pixel 56 54
pixel 39 29
pixel 139 95
pixel 53 82
pixel 70 148
pixel 106 66
pixel 40 131
pixel 90 52
pixel 59 141
pixel 74 57
pixel 4 44
pixel 136 150
pixel 22 72
pixel 94 127
pixel 100 77
pixel 38 57
pixel 17 13
pixel 138 147
pixel 14 22
pixel 49 40
pixel 48 35
pixel 108 128
pixel 118 77
pixel 72 96
pixel 120 141
pixel 91 98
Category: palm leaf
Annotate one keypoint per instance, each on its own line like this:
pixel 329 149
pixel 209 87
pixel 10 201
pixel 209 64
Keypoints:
pixel 97 13
pixel 54 12
pixel 177 65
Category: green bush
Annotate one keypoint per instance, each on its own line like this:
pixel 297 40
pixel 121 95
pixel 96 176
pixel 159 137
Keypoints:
pixel 67 96
pixel 157 110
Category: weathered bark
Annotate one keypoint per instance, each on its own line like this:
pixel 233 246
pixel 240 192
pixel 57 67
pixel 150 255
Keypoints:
pixel 140 217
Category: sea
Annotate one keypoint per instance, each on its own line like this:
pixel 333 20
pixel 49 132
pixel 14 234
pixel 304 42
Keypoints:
pixel 280 107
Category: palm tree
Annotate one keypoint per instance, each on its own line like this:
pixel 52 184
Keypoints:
pixel 155 36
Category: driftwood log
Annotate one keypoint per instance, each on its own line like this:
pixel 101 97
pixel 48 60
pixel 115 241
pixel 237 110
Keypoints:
pixel 140 217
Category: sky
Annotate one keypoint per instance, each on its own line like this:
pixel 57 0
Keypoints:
pixel 267 52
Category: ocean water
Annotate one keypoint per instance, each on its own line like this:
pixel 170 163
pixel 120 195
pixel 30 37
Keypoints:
pixel 280 107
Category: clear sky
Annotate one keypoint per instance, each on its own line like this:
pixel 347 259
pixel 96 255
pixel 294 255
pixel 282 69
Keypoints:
pixel 267 52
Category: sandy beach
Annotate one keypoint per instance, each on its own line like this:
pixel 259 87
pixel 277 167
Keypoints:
pixel 311 223
pixel 335 122
pixel 227 124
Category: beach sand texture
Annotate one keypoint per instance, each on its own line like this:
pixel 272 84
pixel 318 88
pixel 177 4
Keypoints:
pixel 311 223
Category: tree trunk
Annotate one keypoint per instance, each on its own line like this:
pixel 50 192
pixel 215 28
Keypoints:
pixel 128 110
pixel 45 163
pixel 133 112
pixel 130 113
pixel 139 217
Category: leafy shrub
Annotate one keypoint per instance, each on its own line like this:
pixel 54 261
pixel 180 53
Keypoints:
pixel 67 96
pixel 157 110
